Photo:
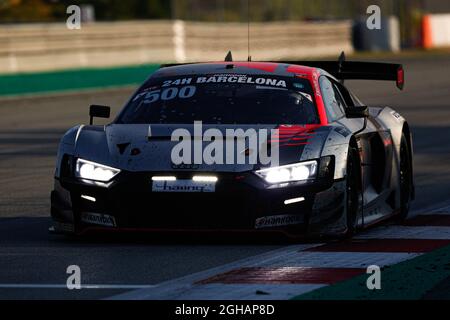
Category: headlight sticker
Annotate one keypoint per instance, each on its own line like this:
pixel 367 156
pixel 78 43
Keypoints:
pixel 278 221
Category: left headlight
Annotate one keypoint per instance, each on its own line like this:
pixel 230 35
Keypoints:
pixel 294 172
pixel 94 171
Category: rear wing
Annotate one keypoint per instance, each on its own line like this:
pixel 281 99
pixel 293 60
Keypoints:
pixel 356 70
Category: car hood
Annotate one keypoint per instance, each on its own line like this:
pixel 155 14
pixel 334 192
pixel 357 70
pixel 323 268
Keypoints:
pixel 140 147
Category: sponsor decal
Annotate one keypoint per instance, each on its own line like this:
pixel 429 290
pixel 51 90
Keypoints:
pixel 342 131
pixel 373 211
pixel 307 96
pixel 183 186
pixel 387 138
pixel 98 218
pixel 277 221
pixel 243 79
pixel 184 166
pixel 223 78
pixel 315 82
pixel 397 116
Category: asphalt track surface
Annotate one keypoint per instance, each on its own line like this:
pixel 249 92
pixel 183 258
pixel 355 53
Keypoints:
pixel 33 263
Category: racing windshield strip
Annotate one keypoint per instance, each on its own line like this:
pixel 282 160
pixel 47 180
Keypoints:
pixel 223 99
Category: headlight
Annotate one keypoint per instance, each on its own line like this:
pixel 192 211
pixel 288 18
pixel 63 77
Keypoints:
pixel 290 173
pixel 94 171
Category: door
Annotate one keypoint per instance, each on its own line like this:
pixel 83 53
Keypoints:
pixel 374 146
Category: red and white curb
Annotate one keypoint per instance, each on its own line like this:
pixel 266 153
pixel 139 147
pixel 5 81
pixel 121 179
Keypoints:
pixel 298 269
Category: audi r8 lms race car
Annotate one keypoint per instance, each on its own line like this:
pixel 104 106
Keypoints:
pixel 240 146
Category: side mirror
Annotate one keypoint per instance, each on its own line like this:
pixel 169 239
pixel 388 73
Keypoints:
pixel 98 112
pixel 357 112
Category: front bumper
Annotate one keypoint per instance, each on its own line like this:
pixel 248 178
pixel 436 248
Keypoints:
pixel 241 201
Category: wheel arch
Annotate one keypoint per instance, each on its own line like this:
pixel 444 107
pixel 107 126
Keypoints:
pixel 407 132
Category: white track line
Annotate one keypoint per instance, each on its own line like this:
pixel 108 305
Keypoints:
pixel 185 288
pixel 444 210
pixel 292 256
pixel 63 286
pixel 185 283
pixel 220 291
pixel 338 259
pixel 66 93
pixel 441 208
pixel 403 232
pixel 295 256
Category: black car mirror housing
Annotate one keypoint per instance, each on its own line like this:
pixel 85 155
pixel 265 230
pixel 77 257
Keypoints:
pixel 98 112
pixel 357 112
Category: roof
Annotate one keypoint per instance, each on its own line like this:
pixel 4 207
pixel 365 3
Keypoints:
pixel 278 69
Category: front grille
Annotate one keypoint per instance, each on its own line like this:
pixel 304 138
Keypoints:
pixel 236 204
pixel 183 210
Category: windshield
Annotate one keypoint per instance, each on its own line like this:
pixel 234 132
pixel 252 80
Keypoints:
pixel 222 99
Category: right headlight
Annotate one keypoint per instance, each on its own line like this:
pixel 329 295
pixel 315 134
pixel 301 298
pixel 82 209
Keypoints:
pixel 89 170
pixel 290 173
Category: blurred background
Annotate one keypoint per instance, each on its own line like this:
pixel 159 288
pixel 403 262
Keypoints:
pixel 34 36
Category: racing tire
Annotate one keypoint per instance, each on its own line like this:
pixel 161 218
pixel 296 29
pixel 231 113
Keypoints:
pixel 353 191
pixel 405 173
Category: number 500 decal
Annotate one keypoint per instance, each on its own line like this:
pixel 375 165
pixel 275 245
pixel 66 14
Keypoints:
pixel 167 94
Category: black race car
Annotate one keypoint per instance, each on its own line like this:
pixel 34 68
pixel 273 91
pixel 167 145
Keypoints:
pixel 274 146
